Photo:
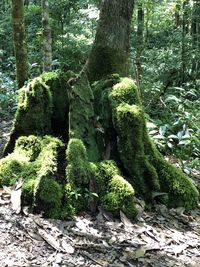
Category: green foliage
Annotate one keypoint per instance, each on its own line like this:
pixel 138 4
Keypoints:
pixel 8 95
pixel 179 131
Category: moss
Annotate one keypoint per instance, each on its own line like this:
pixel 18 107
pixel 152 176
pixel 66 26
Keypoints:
pixel 129 123
pixel 78 170
pixel 79 173
pixel 125 92
pixel 81 115
pixel 105 170
pixel 29 147
pixel 47 192
pixel 35 160
pixel 10 170
pixel 33 114
pixel 57 82
pixel 180 188
pixel 48 196
pixel 115 193
pixel 120 196
pixel 28 191
pixel 181 192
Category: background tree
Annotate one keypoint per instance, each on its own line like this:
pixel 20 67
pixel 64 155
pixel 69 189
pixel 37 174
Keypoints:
pixel 47 41
pixel 109 53
pixel 20 42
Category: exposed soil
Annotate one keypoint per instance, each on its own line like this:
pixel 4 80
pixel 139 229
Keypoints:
pixel 162 238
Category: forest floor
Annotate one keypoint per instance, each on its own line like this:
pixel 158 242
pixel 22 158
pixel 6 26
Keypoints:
pixel 160 238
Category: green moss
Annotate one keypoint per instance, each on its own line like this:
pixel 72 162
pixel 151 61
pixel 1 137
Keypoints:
pixel 47 192
pixel 180 188
pixel 10 170
pixel 129 123
pixel 120 196
pixel 48 196
pixel 125 92
pixel 105 170
pixel 29 147
pixel 181 192
pixel 81 116
pixel 78 170
pixel 33 114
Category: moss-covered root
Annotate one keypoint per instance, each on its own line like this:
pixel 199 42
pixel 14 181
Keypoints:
pixel 35 161
pixel 81 116
pixel 33 114
pixel 103 179
pixel 47 191
pixel 128 120
pixel 114 191
pixel 180 188
pixel 145 166
pixel 79 173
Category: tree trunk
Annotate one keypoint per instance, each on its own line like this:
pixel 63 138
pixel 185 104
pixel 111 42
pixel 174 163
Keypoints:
pixel 140 43
pixel 109 53
pixel 20 42
pixel 184 48
pixel 109 155
pixel 195 32
pixel 47 41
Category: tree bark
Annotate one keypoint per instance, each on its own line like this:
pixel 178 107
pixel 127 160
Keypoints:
pixel 20 42
pixel 110 50
pixel 140 43
pixel 47 41
pixel 195 32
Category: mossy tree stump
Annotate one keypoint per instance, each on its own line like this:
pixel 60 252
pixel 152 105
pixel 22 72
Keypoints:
pixel 109 155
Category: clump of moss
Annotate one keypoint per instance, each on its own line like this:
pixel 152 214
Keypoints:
pixel 47 191
pixel 48 196
pixel 180 188
pixel 181 191
pixel 33 114
pixel 29 146
pixel 10 170
pixel 120 196
pixel 79 170
pixel 115 193
pixel 35 160
pixel 125 92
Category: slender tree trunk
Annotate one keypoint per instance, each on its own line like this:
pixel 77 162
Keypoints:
pixel 177 15
pixel 195 32
pixel 185 29
pixel 47 41
pixel 111 46
pixel 140 41
pixel 20 42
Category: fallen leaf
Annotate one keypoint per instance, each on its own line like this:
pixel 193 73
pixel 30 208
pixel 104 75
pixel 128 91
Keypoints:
pixel 16 196
pixel 50 240
pixel 67 247
pixel 125 220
